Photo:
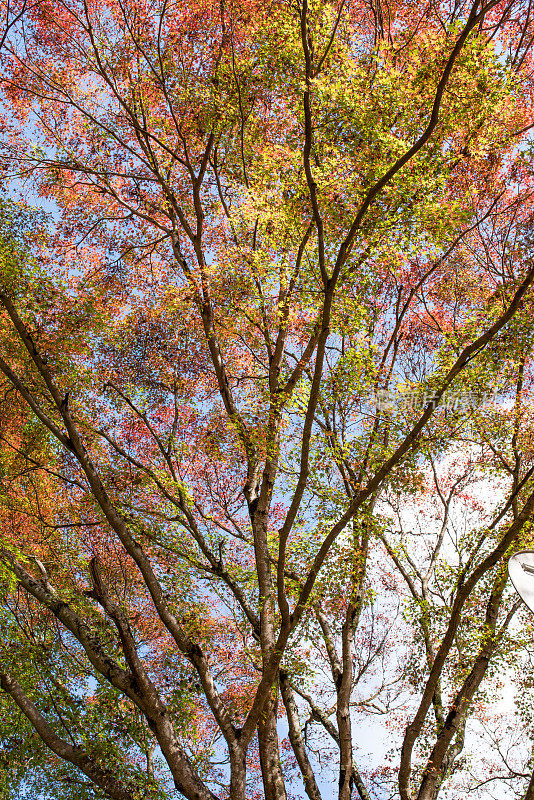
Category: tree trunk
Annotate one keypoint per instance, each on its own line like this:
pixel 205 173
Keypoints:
pixel 296 739
pixel 530 790
pixel 271 769
pixel 238 774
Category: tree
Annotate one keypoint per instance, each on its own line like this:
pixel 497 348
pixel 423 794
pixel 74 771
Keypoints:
pixel 259 219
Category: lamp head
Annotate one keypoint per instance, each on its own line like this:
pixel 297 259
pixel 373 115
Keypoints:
pixel 521 572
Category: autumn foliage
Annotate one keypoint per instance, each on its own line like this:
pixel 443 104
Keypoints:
pixel 228 567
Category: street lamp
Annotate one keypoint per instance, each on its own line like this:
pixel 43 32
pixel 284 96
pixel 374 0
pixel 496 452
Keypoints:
pixel 521 571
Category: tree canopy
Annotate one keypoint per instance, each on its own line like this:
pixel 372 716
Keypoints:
pixel 267 413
